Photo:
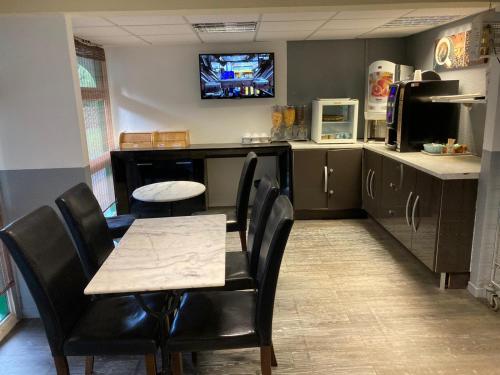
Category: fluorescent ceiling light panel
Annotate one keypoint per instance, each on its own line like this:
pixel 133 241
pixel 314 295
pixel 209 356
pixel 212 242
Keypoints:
pixel 420 21
pixel 223 18
pixel 354 24
pixel 227 27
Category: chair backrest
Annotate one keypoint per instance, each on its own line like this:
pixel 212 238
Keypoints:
pixel 47 259
pixel 87 225
pixel 244 188
pixel 273 246
pixel 267 192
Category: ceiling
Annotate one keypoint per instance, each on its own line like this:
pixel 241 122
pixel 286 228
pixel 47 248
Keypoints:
pixel 157 28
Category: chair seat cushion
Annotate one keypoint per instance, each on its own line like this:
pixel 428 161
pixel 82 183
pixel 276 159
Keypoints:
pixel 238 271
pixel 214 321
pixel 116 326
pixel 118 225
pixel 231 222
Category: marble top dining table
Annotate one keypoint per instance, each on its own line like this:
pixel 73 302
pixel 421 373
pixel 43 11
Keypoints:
pixel 165 254
pixel 168 191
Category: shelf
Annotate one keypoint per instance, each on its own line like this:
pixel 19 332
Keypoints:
pixel 459 99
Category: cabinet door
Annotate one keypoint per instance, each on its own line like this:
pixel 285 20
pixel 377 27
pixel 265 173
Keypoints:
pixel 372 178
pixel 344 179
pixel 398 194
pixel 425 216
pixel 309 183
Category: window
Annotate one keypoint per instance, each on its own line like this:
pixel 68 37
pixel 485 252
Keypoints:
pixel 97 118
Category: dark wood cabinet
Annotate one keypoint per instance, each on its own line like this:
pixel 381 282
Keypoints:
pixel 310 179
pixel 327 181
pixel 432 218
pixel 344 179
pixel 372 182
pixel 397 194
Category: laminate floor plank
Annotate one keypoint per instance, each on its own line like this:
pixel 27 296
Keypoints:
pixel 350 300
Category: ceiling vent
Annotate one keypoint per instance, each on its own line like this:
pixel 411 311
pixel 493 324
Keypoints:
pixel 419 21
pixel 226 27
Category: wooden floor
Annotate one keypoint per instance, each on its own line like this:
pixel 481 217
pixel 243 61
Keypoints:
pixel 350 300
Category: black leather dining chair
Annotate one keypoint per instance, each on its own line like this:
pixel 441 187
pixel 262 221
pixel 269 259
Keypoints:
pixel 236 319
pixel 241 266
pixel 75 324
pixel 237 216
pixel 87 225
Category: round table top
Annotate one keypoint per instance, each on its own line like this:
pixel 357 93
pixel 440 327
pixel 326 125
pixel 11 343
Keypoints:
pixel 169 191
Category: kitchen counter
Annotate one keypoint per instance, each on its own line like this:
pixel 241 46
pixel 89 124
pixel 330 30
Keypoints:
pixel 311 145
pixel 443 167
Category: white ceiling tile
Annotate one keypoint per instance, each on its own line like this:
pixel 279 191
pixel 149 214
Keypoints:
pixel 290 25
pixel 172 39
pixel 337 34
pixel 227 37
pixel 445 12
pixel 159 29
pixel 264 36
pixel 297 16
pixel 153 19
pixel 393 32
pixel 84 21
pixel 213 18
pixel 118 40
pixel 353 24
pixel 99 31
pixel 371 14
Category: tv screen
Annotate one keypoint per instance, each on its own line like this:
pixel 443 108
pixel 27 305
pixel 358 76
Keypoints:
pixel 238 75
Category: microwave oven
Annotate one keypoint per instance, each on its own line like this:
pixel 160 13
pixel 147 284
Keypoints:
pixel 413 119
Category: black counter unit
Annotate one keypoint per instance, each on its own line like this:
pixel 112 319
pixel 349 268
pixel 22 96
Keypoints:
pixel 133 168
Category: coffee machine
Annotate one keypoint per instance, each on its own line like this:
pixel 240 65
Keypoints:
pixel 413 119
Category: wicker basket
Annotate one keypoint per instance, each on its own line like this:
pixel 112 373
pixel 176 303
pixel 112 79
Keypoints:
pixel 173 139
pixel 136 140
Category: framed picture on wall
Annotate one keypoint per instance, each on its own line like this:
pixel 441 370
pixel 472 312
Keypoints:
pixel 454 52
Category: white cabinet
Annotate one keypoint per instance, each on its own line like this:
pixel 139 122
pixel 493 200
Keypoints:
pixel 334 120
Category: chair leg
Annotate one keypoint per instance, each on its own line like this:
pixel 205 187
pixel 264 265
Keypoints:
pixel 150 360
pixel 61 363
pixel 89 365
pixel 265 360
pixel 194 358
pixel 176 363
pixel 243 239
pixel 274 362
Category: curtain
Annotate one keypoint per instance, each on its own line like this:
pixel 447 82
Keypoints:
pixel 97 117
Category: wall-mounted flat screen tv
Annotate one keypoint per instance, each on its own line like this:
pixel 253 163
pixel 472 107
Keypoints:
pixel 237 75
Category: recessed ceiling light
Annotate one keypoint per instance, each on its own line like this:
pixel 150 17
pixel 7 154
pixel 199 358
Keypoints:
pixel 225 27
pixel 419 21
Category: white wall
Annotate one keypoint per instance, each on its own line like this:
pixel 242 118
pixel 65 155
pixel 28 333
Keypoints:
pixel 158 88
pixel 40 103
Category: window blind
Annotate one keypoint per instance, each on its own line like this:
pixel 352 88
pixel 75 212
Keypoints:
pixel 97 118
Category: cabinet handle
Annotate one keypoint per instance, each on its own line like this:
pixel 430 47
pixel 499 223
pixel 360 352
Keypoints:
pixel 326 179
pixel 367 182
pixel 143 164
pixel 407 207
pixel 372 194
pixel 413 214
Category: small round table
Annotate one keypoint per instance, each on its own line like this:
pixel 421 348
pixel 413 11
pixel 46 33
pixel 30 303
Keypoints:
pixel 169 191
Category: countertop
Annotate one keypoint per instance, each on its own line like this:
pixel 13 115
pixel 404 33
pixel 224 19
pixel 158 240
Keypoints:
pixel 311 145
pixel 443 167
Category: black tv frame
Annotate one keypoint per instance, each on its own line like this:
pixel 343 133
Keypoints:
pixel 238 53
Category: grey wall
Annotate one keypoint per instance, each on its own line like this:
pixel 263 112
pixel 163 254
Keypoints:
pixel 420 50
pixel 337 68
